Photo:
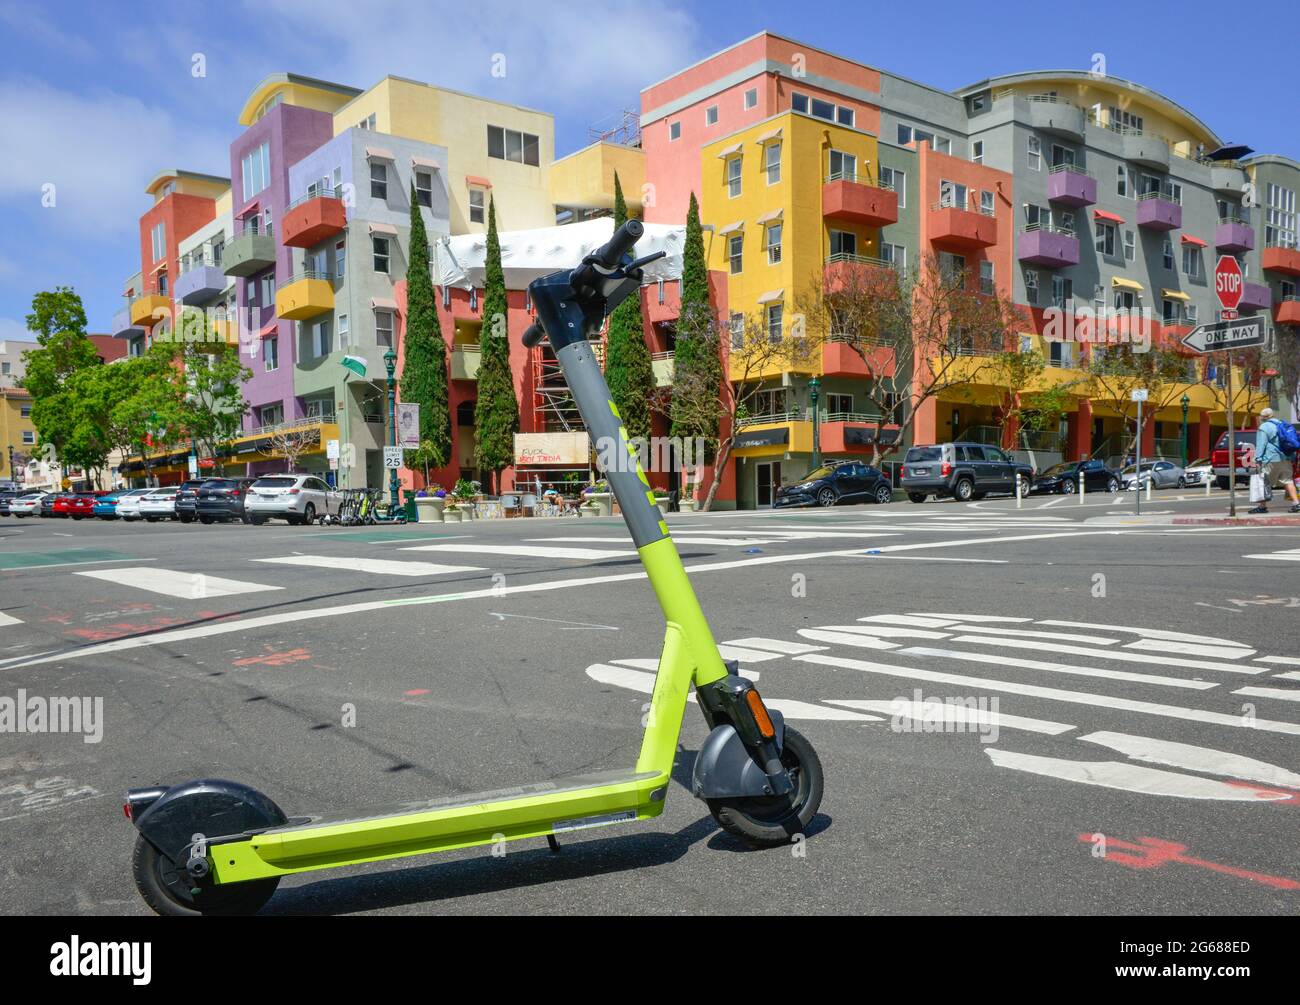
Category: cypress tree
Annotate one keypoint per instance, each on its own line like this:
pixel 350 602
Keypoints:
pixel 496 412
pixel 424 363
pixel 692 355
pixel 628 369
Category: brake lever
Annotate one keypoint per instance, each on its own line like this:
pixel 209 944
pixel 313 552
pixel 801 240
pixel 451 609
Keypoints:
pixel 640 262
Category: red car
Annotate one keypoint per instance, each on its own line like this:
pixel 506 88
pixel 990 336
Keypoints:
pixel 1245 456
pixel 76 505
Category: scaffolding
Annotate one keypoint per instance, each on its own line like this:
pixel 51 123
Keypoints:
pixel 622 127
pixel 554 410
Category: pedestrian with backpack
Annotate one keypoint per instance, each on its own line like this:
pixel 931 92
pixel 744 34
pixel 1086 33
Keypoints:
pixel 1276 443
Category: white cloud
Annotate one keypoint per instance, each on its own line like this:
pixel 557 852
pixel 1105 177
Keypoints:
pixel 15 331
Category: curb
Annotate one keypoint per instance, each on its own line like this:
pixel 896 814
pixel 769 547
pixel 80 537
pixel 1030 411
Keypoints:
pixel 1239 521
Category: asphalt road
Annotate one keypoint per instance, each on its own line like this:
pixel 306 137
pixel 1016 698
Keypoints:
pixel 1145 675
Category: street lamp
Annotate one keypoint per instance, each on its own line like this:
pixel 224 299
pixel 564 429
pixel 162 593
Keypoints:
pixel 390 361
pixel 1186 402
pixel 814 386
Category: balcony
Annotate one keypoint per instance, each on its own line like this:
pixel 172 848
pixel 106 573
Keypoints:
pixel 1049 114
pixel 1234 235
pixel 1255 297
pixel 861 272
pixel 1048 246
pixel 663 366
pixel 311 219
pixel 1157 212
pixel 1277 258
pixel 1145 149
pixel 840 358
pixel 465 360
pixel 955 227
pixel 149 309
pixel 248 253
pixel 304 296
pixel 1227 180
pixel 122 326
pixel 200 284
pixel 1287 312
pixel 225 328
pixel 1071 186
pixel 848 200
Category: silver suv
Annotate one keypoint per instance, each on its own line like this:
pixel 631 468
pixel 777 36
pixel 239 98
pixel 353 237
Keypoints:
pixel 296 499
pixel 963 471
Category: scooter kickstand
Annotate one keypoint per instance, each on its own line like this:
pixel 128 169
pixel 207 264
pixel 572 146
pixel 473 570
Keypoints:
pixel 553 844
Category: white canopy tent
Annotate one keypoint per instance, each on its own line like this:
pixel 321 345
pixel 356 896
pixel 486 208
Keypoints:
pixel 529 254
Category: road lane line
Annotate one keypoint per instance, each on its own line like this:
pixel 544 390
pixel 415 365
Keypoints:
pixel 1002 659
pixel 923 711
pixel 1186 755
pixel 1280 693
pixel 775 645
pixel 178 585
pixel 1190 648
pixel 845 639
pixel 1110 654
pixel 524 551
pixel 1030 634
pixel 1150 633
pixel 1289 661
pixel 6 619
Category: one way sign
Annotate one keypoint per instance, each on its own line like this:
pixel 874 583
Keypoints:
pixel 1242 333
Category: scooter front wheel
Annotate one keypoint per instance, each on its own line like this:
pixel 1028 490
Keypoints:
pixel 769 821
pixel 167 889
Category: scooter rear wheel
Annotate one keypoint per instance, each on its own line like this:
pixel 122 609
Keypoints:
pixel 166 888
pixel 769 821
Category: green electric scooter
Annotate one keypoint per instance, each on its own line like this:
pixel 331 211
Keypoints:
pixel 220 847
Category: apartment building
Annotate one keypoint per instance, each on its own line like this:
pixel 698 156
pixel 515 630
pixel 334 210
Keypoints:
pixel 208 314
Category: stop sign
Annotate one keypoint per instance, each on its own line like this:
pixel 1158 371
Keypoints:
pixel 1228 282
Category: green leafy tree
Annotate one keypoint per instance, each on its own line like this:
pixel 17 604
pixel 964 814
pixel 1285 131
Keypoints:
pixel 212 396
pixel 424 364
pixel 63 351
pixel 628 369
pixel 496 412
pixel 697 360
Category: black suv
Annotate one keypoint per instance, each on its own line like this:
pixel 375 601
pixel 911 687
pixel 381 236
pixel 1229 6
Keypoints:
pixel 963 471
pixel 187 497
pixel 223 499
pixel 851 481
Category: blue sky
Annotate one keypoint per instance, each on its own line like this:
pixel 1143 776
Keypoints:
pixel 99 96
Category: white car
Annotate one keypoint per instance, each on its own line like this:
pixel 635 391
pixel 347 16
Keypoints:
pixel 1199 472
pixel 296 499
pixel 128 504
pixel 26 505
pixel 159 504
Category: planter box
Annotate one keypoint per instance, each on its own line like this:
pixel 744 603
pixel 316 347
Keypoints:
pixel 451 515
pixel 602 501
pixel 466 511
pixel 429 509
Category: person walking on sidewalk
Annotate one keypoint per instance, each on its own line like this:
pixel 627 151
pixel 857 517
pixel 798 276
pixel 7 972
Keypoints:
pixel 1276 467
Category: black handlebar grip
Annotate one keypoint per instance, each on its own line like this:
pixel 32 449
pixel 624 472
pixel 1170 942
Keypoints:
pixel 533 335
pixel 623 241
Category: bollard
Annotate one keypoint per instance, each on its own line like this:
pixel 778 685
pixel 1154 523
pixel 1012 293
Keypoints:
pixel 1083 488
pixel 1149 481
pixel 1208 480
pixel 1018 503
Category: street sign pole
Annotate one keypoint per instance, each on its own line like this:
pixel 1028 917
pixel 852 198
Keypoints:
pixel 1232 444
pixel 1137 474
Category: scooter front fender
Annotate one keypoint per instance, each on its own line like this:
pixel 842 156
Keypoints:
pixel 724 769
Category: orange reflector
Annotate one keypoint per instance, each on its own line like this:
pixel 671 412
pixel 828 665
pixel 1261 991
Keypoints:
pixel 760 714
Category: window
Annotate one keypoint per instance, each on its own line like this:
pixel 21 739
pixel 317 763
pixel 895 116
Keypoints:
pixel 774 244
pixel 952 194
pixel 845 116
pixel 843 166
pixel 822 109
pixel 271 415
pixel 1106 239
pixel 379 245
pixel 1037 217
pixel 674 131
pixel 711 115
pixel 1192 312
pixel 477 208
pixel 839 404
pixel 844 242
pixel 737 327
pixel 977 152
pixel 29 437
pixel 345 340
pixel 162 284
pixel 1062 292
pixel 733 176
pixel 512 145
pixel 1059 354
pixel 735 252
pixel 772 162
pixel 24 411
pixel 897 180
pixel 799 102
pixel 986 203
pixel 1167 254
pixel 1279 216
pixel 270 353
pixel 267 228
pixel 6 368
pixel 1170 311
pixel 1125 300
pixel 1035 154
pixel 952 267
pixel 1125 182
pixel 341 259
pixel 1031 285
pixel 1062 155
pixel 384 328
pixel 424 188
pixel 1192 262
pixel 986 278
pixel 321 342
pixel 255 170
pixel 943 144
pixel 775 315
pixel 158 238
pixel 218 250
pixel 979 102
pixel 1130 246
pixel 268 290
pixel 895 255
pixel 751 98
pixel 368 122
pixel 378 180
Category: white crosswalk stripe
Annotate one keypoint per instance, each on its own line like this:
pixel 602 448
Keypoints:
pixel 377 566
pixel 177 585
pixel 526 551
pixel 7 619
pixel 1290 555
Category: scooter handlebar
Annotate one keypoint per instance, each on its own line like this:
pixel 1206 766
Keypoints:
pixel 533 336
pixel 624 240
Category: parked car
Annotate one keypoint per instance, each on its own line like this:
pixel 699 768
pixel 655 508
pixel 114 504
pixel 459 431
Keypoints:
pixel 830 485
pixel 159 504
pixel 77 505
pixel 47 503
pixel 1199 471
pixel 1161 475
pixel 1063 478
pixel 106 505
pixel 296 499
pixel 1245 456
pixel 963 471
pixel 187 497
pixel 26 505
pixel 128 503
pixel 5 499
pixel 222 499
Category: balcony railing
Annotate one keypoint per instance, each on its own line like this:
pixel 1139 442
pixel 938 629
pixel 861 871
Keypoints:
pixel 968 208
pixel 1071 168
pixel 851 259
pixel 857 180
pixel 774 418
pixel 324 193
pixel 1050 228
pixel 306 422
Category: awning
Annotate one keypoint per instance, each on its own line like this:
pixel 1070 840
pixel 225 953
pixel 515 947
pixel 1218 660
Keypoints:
pixel 379 154
pixel 730 151
pixel 1127 284
pixel 772 217
pixel 1197 243
pixel 771 134
pixel 771 296
pixel 1101 214
pixel 1174 295
pixel 426 162
pixel 270 329
pixel 475 181
pixel 383 228
pixel 159 267
pixel 383 303
pixel 731 228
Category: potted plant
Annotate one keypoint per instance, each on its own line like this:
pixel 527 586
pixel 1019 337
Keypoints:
pixel 661 500
pixel 429 504
pixel 466 493
pixel 598 499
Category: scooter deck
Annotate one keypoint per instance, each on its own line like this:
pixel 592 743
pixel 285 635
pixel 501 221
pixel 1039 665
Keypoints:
pixel 444 823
